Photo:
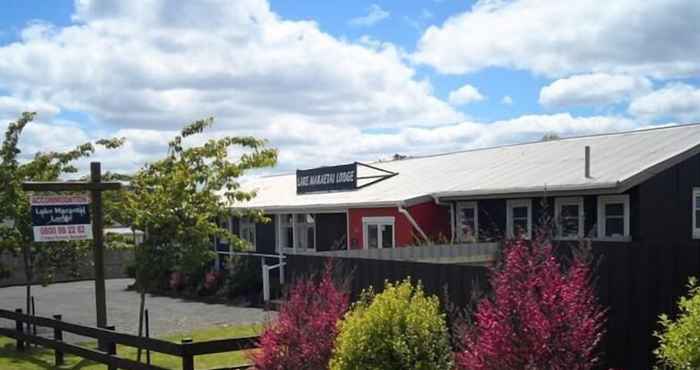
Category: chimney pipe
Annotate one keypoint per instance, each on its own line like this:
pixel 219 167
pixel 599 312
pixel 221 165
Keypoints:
pixel 588 162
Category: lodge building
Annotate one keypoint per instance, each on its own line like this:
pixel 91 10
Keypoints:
pixel 631 186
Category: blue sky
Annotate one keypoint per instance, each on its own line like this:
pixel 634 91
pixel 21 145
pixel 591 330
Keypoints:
pixel 355 80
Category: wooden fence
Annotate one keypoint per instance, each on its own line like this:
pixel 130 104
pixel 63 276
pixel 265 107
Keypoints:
pixel 636 281
pixel 108 340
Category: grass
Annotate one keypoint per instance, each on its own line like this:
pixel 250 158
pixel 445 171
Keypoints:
pixel 41 358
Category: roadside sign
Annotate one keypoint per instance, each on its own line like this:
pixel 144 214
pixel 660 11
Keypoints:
pixel 61 217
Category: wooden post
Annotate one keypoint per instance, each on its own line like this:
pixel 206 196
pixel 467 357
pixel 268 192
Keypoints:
pixel 98 250
pixel 148 335
pixel 110 347
pixel 187 359
pixel 19 326
pixel 58 336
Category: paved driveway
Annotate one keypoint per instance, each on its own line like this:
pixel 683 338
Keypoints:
pixel 76 302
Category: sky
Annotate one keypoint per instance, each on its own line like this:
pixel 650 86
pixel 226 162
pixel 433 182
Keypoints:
pixel 330 82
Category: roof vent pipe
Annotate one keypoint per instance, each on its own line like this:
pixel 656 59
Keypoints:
pixel 588 162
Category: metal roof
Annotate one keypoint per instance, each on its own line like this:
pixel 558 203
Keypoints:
pixel 618 161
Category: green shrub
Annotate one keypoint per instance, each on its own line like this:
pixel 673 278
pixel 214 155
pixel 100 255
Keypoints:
pixel 400 328
pixel 679 341
pixel 242 277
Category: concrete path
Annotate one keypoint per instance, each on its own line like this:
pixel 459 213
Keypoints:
pixel 76 302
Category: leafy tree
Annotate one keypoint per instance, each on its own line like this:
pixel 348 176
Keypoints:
pixel 540 316
pixel 179 200
pixel 679 340
pixel 399 328
pixel 304 333
pixel 40 259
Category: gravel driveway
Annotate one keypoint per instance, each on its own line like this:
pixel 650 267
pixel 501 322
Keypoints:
pixel 76 302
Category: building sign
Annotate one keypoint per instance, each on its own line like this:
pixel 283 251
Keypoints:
pixel 334 178
pixel 61 217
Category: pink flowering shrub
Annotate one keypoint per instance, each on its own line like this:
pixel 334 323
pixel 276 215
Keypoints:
pixel 303 336
pixel 540 316
pixel 177 280
pixel 212 280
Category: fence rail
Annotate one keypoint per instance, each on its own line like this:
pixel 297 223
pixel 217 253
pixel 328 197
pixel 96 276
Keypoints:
pixel 108 340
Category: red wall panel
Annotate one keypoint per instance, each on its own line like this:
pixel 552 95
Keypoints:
pixel 433 219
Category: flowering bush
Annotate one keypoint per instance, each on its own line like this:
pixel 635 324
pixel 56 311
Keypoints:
pixel 541 316
pixel 177 280
pixel 679 341
pixel 304 333
pixel 212 280
pixel 398 329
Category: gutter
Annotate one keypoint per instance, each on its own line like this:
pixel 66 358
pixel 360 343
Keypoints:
pixel 452 216
pixel 413 222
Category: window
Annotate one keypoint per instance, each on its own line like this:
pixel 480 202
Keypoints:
pixel 304 231
pixel 519 218
pixel 286 231
pixel 696 213
pixel 614 216
pixel 568 215
pixel 467 222
pixel 378 232
pixel 247 232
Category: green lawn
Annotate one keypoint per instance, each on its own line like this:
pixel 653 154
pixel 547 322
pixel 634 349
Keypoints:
pixel 40 358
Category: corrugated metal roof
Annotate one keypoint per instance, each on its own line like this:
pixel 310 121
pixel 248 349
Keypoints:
pixel 618 161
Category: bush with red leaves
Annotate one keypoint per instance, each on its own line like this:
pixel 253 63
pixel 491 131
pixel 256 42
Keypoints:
pixel 303 336
pixel 540 316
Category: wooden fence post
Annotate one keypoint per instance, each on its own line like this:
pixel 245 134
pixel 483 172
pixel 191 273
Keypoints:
pixel 58 336
pixel 187 359
pixel 110 347
pixel 19 325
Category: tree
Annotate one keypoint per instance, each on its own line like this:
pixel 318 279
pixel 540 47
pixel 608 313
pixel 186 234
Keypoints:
pixel 679 339
pixel 179 200
pixel 550 136
pixel 303 336
pixel 540 315
pixel 15 219
pixel 400 328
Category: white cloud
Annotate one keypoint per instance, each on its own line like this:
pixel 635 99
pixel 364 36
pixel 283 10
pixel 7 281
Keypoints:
pixel 142 69
pixel 596 89
pixel 559 38
pixel 464 95
pixel 375 15
pixel 677 100
pixel 507 100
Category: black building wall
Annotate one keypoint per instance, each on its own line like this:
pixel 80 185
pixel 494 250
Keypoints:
pixel 331 231
pixel 665 203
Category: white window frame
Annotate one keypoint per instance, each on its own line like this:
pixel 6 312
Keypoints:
pixel 607 199
pixel 294 231
pixel 458 214
pixel 378 221
pixel 696 206
pixel 279 247
pixel 517 203
pixel 571 201
pixel 248 224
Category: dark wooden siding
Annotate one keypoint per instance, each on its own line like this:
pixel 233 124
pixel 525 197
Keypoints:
pixel 331 231
pixel 665 203
pixel 265 236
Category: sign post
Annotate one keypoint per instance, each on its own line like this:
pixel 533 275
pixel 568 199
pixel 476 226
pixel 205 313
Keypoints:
pixel 58 217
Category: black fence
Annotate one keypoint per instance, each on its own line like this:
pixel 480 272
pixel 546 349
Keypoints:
pixel 106 353
pixel 635 281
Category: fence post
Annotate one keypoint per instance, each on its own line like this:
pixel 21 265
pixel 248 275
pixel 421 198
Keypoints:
pixel 266 282
pixel 187 358
pixel 58 336
pixel 110 347
pixel 19 325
